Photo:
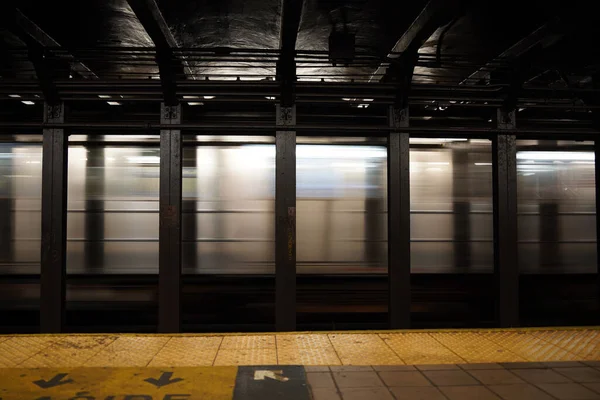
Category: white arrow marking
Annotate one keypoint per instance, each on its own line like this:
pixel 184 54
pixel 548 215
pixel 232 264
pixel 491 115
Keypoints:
pixel 260 375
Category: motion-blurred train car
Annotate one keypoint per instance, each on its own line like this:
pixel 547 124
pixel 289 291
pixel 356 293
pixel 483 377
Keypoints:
pixel 228 231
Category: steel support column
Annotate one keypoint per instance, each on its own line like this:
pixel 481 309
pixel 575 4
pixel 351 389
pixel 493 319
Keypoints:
pixel 597 184
pixel 54 222
pixel 504 157
pixel 169 279
pixel 398 220
pixel 285 221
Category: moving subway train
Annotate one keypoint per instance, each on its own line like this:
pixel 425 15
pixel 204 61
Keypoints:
pixel 228 225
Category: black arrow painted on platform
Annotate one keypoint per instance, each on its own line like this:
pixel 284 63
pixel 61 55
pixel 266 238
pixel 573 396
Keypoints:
pixel 57 380
pixel 165 379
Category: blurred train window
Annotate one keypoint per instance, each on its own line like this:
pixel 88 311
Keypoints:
pixel 112 219
pixel 20 230
pixel 451 206
pixel 228 232
pixel 556 207
pixel 341 209
pixel 228 204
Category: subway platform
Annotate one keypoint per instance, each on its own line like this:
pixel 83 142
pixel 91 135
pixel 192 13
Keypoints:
pixel 542 363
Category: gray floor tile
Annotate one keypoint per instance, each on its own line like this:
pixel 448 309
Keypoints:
pixel 583 374
pixel 469 367
pixel 450 378
pixel 468 393
pixel 519 392
pixel 316 368
pixel 325 394
pixel 376 393
pixel 382 368
pixel 569 391
pixel 536 376
pixel 351 368
pixel 437 367
pixel 522 365
pixel 400 378
pixel 417 393
pixel 496 376
pixel 320 380
pixel 594 386
pixel 357 379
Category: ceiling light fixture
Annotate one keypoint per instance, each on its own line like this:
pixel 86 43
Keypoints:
pixel 14 96
pixel 209 97
pixel 195 103
pixel 28 102
pixel 113 103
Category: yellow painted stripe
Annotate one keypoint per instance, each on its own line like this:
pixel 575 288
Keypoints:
pixel 211 383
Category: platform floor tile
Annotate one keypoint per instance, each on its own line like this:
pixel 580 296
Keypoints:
pixel 70 351
pixel 128 351
pixel 417 348
pixel 529 347
pixel 475 348
pixel 585 344
pixel 15 350
pixel 188 352
pixel 248 342
pixel 363 349
pixel 306 349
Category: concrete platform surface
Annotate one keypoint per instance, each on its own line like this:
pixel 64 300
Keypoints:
pixel 467 364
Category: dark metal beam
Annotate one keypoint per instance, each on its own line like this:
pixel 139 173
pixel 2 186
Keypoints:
pixel 285 221
pixel 597 186
pixel 398 220
pixel 545 36
pixel 433 15
pixel 169 274
pixel 504 160
pixel 170 67
pixel 29 31
pixel 54 222
pixel 291 11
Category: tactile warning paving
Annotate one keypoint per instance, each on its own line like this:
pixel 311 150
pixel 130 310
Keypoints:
pixel 529 346
pixel 187 352
pixel 585 344
pixel 389 348
pixel 475 348
pixel 420 348
pixel 248 342
pixel 128 351
pixel 363 349
pixel 16 350
pixel 246 357
pixel 306 350
pixel 71 351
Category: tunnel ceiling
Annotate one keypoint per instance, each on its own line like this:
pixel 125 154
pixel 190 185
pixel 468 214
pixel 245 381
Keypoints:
pixel 471 34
